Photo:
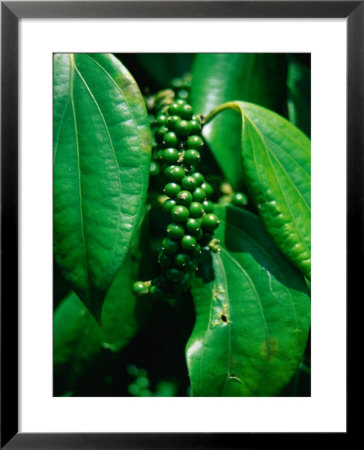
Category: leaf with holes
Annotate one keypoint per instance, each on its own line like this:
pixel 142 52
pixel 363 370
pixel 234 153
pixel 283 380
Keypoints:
pixel 252 314
pixel 221 77
pixel 102 145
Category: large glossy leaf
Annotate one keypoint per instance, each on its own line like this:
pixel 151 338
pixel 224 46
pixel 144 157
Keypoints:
pixel 78 338
pixel 299 95
pixel 276 160
pixel 219 78
pixel 252 314
pixel 102 146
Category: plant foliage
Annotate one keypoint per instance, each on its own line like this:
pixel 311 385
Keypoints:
pixel 238 324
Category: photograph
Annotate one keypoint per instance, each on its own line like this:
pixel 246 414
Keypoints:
pixel 181 224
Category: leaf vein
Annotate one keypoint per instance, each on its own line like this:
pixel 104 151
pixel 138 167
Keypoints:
pixel 78 169
pixel 113 152
pixel 245 273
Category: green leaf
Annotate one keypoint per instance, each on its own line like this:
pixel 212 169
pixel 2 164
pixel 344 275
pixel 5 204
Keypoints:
pixel 219 78
pixel 276 160
pixel 78 339
pixel 252 315
pixel 299 95
pixel 120 316
pixel 102 145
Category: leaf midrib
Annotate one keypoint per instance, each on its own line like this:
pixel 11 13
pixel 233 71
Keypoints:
pixel 290 181
pixel 78 169
pixel 113 153
pixel 287 155
pixel 204 340
pixel 228 324
pixel 117 86
pixel 269 258
pixel 267 337
pixel 282 130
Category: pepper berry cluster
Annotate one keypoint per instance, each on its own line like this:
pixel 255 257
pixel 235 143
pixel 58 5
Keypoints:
pixel 177 148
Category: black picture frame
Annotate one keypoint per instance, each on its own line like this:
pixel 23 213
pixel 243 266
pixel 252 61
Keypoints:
pixel 11 12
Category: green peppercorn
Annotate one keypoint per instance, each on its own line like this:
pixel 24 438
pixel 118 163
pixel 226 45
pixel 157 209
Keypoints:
pixel 174 173
pixel 198 195
pixel 197 250
pixel 184 198
pixel 140 288
pixel 188 242
pixel 177 83
pixel 191 157
pixel 174 274
pixel 198 177
pixel 182 128
pixel 162 119
pixel 187 79
pixel 170 139
pixel 179 214
pixel 173 109
pixel 169 204
pixel 196 210
pixel 208 206
pixel 170 155
pixel 195 142
pixel 183 94
pixel 172 189
pixel 154 169
pixel 180 102
pixel 160 133
pixel 195 125
pixel 210 222
pixel 188 183
pixel 239 199
pixel 159 155
pixel 193 225
pixel 181 259
pixel 175 231
pixel 172 120
pixel 186 111
pixel 207 188
pixel 169 246
pixel 164 260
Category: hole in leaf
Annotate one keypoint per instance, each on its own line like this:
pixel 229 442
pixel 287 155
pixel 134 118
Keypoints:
pixel 223 318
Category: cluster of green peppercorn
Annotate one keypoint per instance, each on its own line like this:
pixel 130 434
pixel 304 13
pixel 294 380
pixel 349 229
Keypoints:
pixel 176 155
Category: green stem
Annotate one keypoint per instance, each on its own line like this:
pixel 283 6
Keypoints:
pixel 220 108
